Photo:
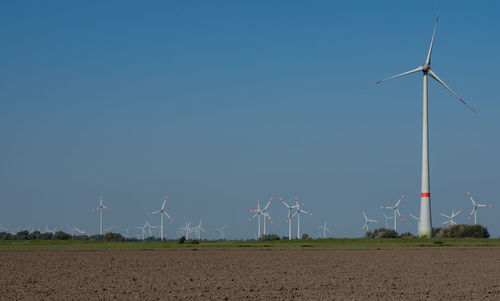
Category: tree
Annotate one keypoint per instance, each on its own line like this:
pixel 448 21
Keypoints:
pixel 181 240
pixel 463 231
pixel 60 235
pixel 108 236
pixel 305 236
pixel 22 235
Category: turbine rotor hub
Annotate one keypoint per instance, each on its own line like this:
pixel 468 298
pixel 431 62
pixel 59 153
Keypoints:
pixel 425 68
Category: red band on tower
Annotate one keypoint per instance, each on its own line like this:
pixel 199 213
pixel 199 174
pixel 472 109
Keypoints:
pixel 425 195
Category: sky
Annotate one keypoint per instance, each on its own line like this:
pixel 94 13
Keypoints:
pixel 221 103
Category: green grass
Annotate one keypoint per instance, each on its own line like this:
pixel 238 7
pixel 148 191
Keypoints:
pixel 339 243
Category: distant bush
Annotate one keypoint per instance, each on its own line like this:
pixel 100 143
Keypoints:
pixel 463 231
pixel 6 236
pixel 382 233
pixel 305 236
pixel 22 235
pixel 181 240
pixel 268 237
pixel 108 236
pixel 60 235
pixel 435 231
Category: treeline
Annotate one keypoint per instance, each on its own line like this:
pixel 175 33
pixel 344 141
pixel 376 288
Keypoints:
pixel 61 235
pixel 455 231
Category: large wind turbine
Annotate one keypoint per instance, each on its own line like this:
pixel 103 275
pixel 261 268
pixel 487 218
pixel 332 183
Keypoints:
pixel 100 207
pixel 425 223
pixel 162 212
pixel 474 209
pixel 396 211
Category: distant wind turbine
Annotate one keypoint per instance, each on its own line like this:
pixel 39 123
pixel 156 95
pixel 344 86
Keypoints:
pixel 324 229
pixel 396 211
pixel 162 212
pixel 297 213
pixel 474 208
pixel 451 217
pixel 367 222
pixel 258 212
pixel 100 207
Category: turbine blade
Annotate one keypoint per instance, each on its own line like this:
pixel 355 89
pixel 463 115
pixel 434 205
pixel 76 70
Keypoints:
pixel 396 76
pixel 428 61
pixel 434 76
pixel 94 210
pixel 470 196
pixel 106 208
pixel 152 212
pixel 284 203
pixel 444 215
pixel 268 203
pixel 165 201
pixel 365 215
pixel 468 218
pixel 171 219
pixel 400 199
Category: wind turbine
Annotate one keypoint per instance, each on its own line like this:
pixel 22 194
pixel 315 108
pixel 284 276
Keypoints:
pixel 367 222
pixel 396 211
pixel 186 229
pixel 289 217
pixel 451 218
pixel 324 228
pixel 417 219
pixel 258 212
pixel 197 230
pixel 222 232
pixel 297 213
pixel 48 230
pixel 100 207
pixel 162 212
pixel 425 229
pixel 474 208
pixel 387 218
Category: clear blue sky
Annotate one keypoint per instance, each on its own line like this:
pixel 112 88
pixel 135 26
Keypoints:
pixel 223 103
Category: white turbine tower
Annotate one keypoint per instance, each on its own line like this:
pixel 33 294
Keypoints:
pixel 324 229
pixel 100 207
pixel 162 212
pixel 425 229
pixel 367 222
pixel 396 211
pixel 222 233
pixel 417 219
pixel 258 212
pixel 387 218
pixel 297 213
pixel 288 217
pixel 474 208
pixel 451 217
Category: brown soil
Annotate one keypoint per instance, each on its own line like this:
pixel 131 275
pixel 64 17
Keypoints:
pixel 252 273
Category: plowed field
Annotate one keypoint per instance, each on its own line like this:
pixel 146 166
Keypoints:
pixel 440 273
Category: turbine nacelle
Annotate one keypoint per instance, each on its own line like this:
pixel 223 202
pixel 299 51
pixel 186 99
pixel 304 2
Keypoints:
pixel 426 67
